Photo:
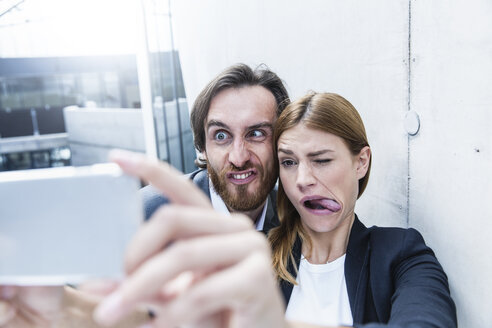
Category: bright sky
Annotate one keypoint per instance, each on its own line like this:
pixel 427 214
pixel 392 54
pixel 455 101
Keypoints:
pixel 40 28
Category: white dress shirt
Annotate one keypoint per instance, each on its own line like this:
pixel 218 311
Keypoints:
pixel 320 296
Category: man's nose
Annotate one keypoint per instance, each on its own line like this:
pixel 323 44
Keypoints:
pixel 239 154
pixel 305 177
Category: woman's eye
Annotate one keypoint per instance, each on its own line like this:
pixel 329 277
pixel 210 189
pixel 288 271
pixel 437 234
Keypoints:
pixel 287 162
pixel 322 161
pixel 220 136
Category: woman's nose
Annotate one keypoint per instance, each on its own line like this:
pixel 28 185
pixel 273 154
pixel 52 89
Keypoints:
pixel 305 177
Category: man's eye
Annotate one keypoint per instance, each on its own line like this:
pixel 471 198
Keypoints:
pixel 256 134
pixel 220 136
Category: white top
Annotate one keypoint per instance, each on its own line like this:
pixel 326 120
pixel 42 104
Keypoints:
pixel 320 296
pixel 219 205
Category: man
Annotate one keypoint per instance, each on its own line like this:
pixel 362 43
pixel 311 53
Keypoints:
pixel 232 121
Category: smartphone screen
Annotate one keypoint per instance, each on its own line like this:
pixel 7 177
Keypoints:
pixel 66 225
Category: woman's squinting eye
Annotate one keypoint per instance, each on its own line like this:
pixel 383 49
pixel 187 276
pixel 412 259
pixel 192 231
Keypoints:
pixel 220 136
pixel 323 161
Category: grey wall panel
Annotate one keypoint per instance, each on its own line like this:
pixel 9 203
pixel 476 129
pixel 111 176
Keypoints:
pixel 110 127
pixel 93 132
pixel 86 154
pixel 451 157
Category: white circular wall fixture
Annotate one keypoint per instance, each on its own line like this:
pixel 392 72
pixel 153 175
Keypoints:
pixel 412 122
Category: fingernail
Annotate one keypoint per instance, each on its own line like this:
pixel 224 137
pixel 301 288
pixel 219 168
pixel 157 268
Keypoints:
pixel 7 312
pixel 110 310
pixel 4 309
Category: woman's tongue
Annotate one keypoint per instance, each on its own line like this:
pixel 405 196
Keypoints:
pixel 324 203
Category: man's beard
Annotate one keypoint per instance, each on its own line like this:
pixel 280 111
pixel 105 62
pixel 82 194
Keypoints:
pixel 242 200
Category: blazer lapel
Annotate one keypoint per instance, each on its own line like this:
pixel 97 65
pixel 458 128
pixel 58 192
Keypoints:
pixel 356 269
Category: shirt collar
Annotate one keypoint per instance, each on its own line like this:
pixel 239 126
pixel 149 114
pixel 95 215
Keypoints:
pixel 219 205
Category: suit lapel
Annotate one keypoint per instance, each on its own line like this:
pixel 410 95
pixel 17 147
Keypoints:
pixel 356 269
pixel 271 217
pixel 200 178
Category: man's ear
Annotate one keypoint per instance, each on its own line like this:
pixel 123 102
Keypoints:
pixel 204 155
pixel 363 160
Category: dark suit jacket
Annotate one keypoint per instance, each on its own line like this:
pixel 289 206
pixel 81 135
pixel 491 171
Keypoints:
pixel 393 280
pixel 153 199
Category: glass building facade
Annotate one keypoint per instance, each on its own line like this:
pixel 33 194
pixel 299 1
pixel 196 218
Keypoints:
pixel 35 90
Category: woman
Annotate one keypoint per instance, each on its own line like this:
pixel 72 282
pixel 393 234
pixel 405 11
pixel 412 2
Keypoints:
pixel 332 269
pixel 379 275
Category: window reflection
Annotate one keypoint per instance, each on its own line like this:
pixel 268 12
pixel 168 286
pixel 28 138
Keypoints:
pixel 37 86
pixel 170 108
pixel 36 90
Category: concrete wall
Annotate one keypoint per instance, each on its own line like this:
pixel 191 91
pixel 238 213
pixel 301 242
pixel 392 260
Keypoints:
pixel 93 132
pixel 387 57
pixel 450 190
pixel 360 54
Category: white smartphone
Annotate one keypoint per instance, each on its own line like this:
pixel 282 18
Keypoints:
pixel 66 225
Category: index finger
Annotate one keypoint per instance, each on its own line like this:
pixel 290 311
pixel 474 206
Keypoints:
pixel 161 175
pixel 174 222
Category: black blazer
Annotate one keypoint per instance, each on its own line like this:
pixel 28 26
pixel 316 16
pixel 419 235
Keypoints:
pixel 393 280
pixel 153 199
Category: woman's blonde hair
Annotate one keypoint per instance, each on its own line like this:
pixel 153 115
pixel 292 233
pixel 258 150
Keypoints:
pixel 327 112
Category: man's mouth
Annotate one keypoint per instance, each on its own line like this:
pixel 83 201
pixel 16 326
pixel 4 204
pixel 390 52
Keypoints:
pixel 241 177
pixel 321 205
